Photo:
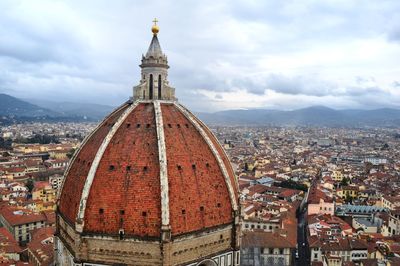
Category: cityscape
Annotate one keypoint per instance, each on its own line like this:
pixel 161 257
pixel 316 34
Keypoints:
pixel 313 196
pixel 231 133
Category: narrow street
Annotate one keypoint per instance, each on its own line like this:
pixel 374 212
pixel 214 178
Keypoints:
pixel 303 259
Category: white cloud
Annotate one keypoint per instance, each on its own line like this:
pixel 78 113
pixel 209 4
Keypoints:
pixel 223 54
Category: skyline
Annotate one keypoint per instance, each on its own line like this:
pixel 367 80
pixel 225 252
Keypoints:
pixel 246 54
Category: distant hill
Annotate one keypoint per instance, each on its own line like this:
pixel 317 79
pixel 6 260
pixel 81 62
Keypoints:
pixel 15 110
pixel 88 110
pixel 311 116
pixel 11 106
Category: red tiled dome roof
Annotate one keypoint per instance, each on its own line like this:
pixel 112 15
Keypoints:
pixel 149 164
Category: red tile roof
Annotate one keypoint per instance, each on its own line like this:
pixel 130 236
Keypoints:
pixel 198 194
pixel 8 243
pixel 15 216
pixel 266 240
pixel 42 246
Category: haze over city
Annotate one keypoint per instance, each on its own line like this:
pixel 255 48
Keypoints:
pixel 223 54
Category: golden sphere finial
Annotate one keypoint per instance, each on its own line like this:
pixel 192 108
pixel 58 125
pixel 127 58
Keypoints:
pixel 155 29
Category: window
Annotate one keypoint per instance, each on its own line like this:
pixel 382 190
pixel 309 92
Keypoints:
pixel 121 234
pixel 281 251
pixel 151 87
pixel 159 86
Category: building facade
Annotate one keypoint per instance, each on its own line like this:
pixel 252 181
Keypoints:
pixel 20 222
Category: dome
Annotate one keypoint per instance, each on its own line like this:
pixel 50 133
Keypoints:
pixel 151 185
pixel 115 181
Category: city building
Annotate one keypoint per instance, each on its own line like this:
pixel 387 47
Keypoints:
pixel 19 222
pixel 9 248
pixel 320 203
pixel 41 248
pixel 263 248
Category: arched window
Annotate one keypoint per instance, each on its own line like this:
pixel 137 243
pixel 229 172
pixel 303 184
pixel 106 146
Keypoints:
pixel 151 87
pixel 159 86
pixel 207 263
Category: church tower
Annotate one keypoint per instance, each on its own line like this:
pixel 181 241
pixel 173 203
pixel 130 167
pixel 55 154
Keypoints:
pixel 151 185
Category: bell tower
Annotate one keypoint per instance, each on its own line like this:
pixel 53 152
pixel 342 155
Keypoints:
pixel 154 83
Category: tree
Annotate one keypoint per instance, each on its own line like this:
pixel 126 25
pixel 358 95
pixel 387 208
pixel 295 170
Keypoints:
pixel 30 185
pixel 5 143
pixel 292 184
pixel 38 138
pixel 348 199
pixel 70 153
pixel 344 182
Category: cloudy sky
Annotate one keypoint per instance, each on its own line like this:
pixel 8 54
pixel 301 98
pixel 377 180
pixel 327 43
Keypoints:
pixel 222 54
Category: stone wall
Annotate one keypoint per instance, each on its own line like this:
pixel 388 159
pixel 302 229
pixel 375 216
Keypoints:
pixel 190 249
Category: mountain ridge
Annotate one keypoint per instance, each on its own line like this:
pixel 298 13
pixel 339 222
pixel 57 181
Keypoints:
pixel 310 116
pixel 90 110
pixel 12 106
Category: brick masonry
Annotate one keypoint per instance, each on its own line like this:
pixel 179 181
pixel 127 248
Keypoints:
pixel 76 176
pixel 122 217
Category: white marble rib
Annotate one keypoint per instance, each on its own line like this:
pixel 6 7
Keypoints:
pixel 95 164
pixel 66 172
pixel 214 151
pixel 162 155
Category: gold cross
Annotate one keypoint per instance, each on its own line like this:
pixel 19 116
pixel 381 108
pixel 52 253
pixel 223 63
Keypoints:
pixel 155 22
